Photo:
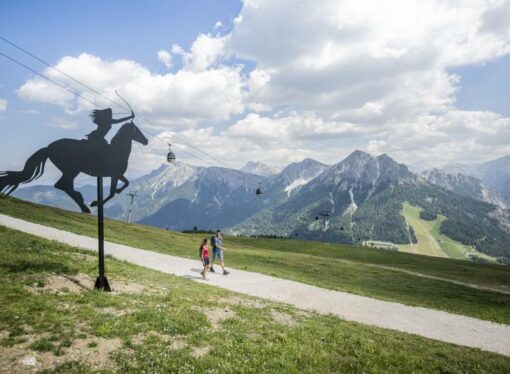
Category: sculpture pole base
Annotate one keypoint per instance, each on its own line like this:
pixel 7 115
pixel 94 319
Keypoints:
pixel 102 284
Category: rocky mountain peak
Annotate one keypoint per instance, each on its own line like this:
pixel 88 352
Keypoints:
pixel 260 168
pixel 463 184
pixel 361 167
pixel 297 174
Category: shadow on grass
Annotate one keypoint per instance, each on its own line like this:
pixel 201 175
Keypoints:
pixel 78 283
pixel 37 267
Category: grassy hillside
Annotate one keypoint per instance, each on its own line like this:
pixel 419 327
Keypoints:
pixel 154 322
pixel 370 272
pixel 427 243
pixel 430 239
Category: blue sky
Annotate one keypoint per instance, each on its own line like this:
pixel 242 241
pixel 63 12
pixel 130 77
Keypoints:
pixel 275 81
pixel 485 86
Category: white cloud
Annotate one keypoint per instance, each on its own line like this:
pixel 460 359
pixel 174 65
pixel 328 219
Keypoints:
pixel 206 51
pixel 212 94
pixel 290 129
pixel 218 25
pixel 3 105
pixel 177 49
pixel 165 58
pixel 376 147
pixel 332 55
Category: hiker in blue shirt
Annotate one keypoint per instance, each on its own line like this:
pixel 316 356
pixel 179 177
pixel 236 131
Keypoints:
pixel 217 244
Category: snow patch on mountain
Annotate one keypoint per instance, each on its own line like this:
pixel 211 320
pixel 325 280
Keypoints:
pixel 296 184
pixel 352 206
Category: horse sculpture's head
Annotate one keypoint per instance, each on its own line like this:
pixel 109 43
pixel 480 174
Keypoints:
pixel 134 133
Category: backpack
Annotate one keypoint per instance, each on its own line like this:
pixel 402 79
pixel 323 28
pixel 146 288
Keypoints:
pixel 200 251
pixel 213 242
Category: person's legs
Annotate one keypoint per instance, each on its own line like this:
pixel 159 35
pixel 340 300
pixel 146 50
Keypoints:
pixel 222 262
pixel 219 253
pixel 214 254
pixel 203 272
pixel 206 267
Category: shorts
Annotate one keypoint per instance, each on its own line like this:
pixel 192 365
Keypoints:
pixel 217 252
pixel 205 261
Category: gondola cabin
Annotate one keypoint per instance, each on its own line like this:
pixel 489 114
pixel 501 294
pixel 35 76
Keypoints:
pixel 170 157
pixel 258 192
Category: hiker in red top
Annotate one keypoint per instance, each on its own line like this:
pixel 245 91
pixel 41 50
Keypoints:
pixel 204 255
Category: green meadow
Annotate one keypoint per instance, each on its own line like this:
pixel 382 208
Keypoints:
pixel 401 277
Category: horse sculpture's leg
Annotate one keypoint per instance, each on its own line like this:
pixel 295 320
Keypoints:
pixel 124 186
pixel 113 189
pixel 66 184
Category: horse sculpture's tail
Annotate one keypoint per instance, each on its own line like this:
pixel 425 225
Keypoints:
pixel 34 168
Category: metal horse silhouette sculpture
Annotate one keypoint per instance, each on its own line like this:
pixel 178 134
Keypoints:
pixel 93 156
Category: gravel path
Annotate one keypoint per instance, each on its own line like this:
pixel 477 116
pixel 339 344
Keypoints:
pixel 429 323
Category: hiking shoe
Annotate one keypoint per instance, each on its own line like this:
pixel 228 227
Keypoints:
pixel 211 269
pixel 226 272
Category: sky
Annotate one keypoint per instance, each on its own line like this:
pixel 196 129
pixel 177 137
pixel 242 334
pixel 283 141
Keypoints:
pixel 274 81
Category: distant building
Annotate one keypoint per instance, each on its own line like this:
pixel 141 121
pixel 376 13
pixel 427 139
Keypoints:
pixel 388 246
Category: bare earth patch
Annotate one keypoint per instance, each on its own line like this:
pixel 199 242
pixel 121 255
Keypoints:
pixel 198 352
pixel 283 318
pixel 97 357
pixel 143 336
pixel 177 343
pixel 21 359
pixel 218 315
pixel 61 283
pixel 56 284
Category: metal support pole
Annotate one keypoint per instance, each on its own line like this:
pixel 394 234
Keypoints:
pixel 324 216
pixel 101 281
pixel 133 195
pixel 323 228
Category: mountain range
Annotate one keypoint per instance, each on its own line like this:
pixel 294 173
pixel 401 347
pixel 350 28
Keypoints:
pixel 494 174
pixel 362 194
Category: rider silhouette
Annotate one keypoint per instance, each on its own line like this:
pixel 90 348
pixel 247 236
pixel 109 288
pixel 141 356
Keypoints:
pixel 104 120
